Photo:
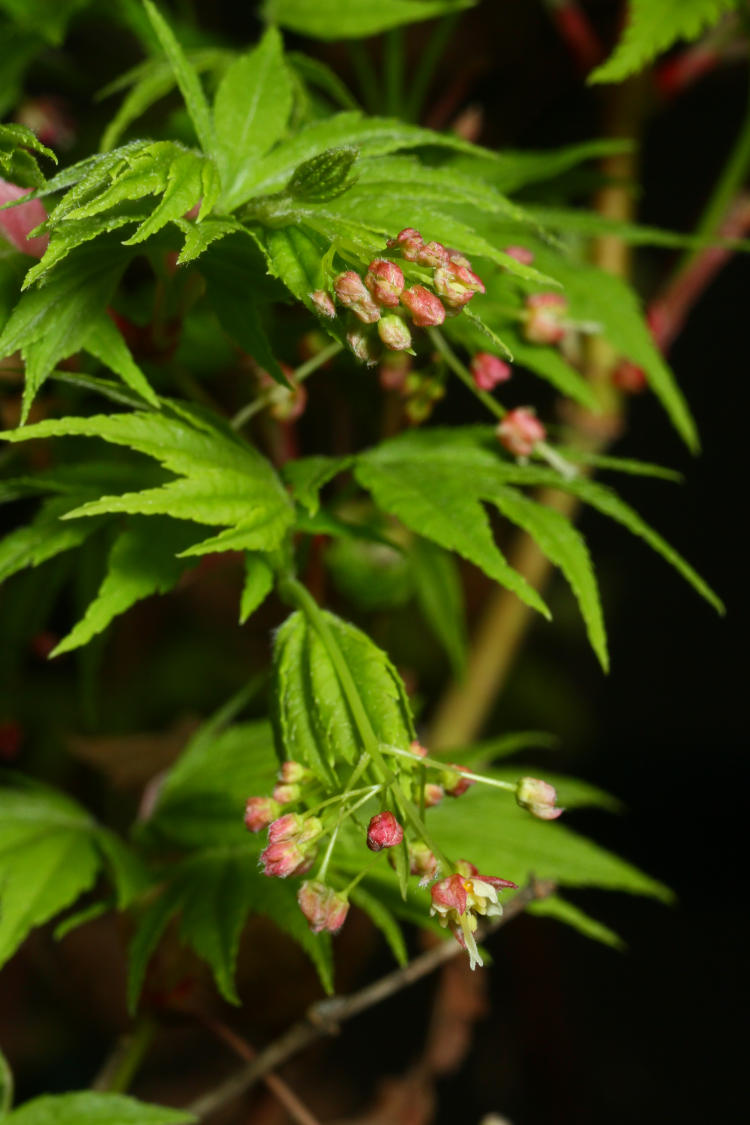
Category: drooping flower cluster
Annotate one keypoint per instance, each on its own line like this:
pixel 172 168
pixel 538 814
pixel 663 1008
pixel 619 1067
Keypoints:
pixel 304 817
pixel 383 302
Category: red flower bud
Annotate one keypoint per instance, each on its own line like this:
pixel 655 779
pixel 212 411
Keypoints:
pixel 538 797
pixel 283 858
pixel 384 831
pixel 394 333
pixel 433 254
pixel 521 254
pixel 259 812
pixel 630 378
pixel 385 282
pixel 519 431
pixel 425 308
pixel 323 303
pixel 324 908
pixel 410 241
pixel 454 784
pixel 292 826
pixel 543 319
pixel 489 371
pixel 456 284
pixel 459 258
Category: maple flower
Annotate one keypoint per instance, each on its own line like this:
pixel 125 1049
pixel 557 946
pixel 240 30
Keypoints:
pixel 364 345
pixel 293 826
pixel 489 371
pixel 350 291
pixel 323 303
pixel 418 749
pixel 286 794
pixel 426 309
pixel 543 319
pixel 291 773
pixel 458 899
pixel 538 797
pixel 433 794
pixel 384 831
pixel 259 812
pixel 324 908
pixel 519 431
pixel 385 282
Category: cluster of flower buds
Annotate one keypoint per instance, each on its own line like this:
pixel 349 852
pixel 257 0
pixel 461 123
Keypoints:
pixel 457 899
pixel 383 299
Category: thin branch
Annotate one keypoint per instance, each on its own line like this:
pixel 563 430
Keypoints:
pixel 120 1067
pixel 325 1017
pixel 296 1109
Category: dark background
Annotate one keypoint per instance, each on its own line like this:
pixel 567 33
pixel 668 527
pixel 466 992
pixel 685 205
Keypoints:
pixel 578 1033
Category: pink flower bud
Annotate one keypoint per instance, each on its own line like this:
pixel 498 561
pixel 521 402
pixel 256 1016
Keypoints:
pixel 538 797
pixel 433 795
pixel 291 773
pixel 286 794
pixel 385 282
pixel 350 288
pixel 433 254
pixel 454 784
pixel 283 858
pixel 417 749
pixel 519 431
pixel 259 812
pixel 630 378
pixel 489 371
pixel 422 862
pixel 449 895
pixel 324 908
pixel 425 308
pixel 364 345
pixel 384 831
pixel 543 318
pixel 456 284
pixel 410 242
pixel 521 254
pixel 285 827
pixel 16 223
pixel 394 333
pixel 323 303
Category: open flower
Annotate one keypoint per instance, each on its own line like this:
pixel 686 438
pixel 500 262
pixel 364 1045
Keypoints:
pixel 458 899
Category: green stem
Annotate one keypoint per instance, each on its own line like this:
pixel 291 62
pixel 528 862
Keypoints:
pixel 428 60
pixel 464 374
pixel 133 1053
pixel 298 376
pixel 368 82
pixel 727 186
pixel 371 790
pixel 332 842
pixel 393 71
pixel 435 764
